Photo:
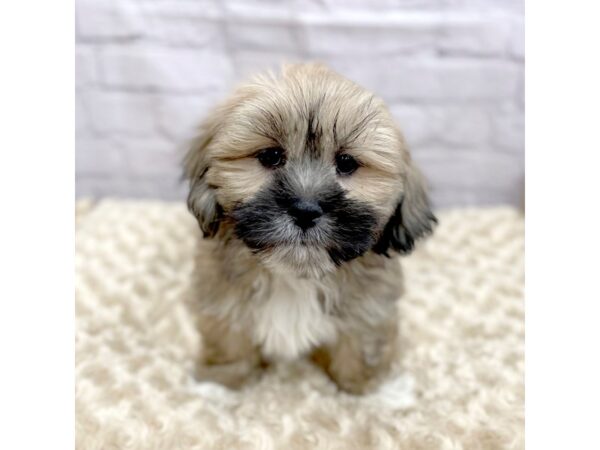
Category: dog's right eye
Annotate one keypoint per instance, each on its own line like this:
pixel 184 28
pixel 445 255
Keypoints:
pixel 271 158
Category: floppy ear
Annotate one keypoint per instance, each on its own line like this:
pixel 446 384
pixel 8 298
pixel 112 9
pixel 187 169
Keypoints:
pixel 412 218
pixel 202 201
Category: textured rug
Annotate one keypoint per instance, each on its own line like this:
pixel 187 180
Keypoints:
pixel 457 382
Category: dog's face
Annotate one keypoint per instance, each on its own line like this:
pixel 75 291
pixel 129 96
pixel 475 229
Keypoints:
pixel 309 171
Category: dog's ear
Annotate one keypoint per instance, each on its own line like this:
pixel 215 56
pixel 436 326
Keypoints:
pixel 202 201
pixel 412 218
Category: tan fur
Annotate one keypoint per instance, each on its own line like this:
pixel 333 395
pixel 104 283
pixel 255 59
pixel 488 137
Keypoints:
pixel 360 298
pixel 346 314
pixel 229 356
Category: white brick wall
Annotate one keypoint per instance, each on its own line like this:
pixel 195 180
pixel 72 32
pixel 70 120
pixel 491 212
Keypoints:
pixel 451 71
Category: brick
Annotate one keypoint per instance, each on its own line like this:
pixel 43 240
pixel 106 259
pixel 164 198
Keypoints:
pixel 115 113
pixel 517 41
pixel 370 39
pixel 198 23
pixel 508 128
pixel 167 188
pixel 477 35
pixel 264 35
pixel 82 121
pixel 451 197
pixel 131 187
pixel 108 19
pixel 416 123
pixel 98 156
pixel 385 5
pixel 464 125
pixel 99 186
pixel 470 176
pixel 431 79
pixel 484 5
pixel 339 6
pixel 159 69
pixel 274 10
pixel 85 67
pixel 194 10
pixel 179 115
pixel 520 97
pixel 251 62
pixel 472 169
pixel 86 186
pixel 105 185
pixel 185 32
pixel 448 124
pixel 150 157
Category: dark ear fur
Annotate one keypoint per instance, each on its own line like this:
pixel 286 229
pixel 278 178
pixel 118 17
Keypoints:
pixel 202 201
pixel 412 218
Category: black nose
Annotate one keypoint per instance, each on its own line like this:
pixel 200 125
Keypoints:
pixel 305 213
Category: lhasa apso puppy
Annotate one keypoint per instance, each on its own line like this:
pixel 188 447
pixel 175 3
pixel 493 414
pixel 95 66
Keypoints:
pixel 305 188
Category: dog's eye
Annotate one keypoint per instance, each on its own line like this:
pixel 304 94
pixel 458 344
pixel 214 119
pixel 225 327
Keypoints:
pixel 345 164
pixel 271 157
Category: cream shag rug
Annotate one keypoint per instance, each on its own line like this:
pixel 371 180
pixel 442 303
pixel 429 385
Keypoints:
pixel 458 382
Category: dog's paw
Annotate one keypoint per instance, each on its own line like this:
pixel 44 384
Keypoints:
pixel 232 375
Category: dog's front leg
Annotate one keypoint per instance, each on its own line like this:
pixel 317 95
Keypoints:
pixel 228 355
pixel 358 360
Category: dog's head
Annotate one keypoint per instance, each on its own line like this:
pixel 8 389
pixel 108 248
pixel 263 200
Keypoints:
pixel 309 171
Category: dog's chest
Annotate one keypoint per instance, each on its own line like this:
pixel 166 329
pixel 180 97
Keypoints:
pixel 291 320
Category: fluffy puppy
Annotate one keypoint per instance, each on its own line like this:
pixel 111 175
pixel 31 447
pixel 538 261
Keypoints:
pixel 305 188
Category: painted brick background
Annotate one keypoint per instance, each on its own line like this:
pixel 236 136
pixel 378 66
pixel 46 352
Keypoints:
pixel 451 71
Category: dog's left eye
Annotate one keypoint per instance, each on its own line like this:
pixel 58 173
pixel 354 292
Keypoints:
pixel 345 164
pixel 271 157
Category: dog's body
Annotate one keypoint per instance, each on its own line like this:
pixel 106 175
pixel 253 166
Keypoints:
pixel 305 186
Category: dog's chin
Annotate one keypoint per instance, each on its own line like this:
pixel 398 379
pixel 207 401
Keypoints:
pixel 298 260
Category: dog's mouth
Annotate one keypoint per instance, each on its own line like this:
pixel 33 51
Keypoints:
pixel 303 261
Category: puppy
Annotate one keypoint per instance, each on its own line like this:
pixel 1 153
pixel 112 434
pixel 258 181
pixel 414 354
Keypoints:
pixel 305 188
